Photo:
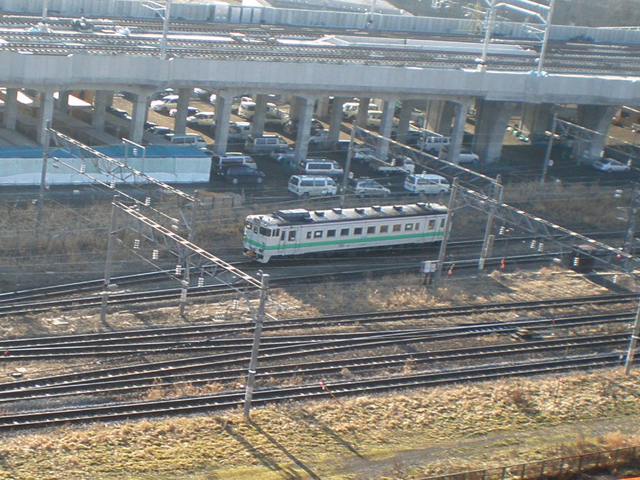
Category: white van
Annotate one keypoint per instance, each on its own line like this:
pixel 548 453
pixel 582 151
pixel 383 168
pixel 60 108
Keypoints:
pixel 187 139
pixel 265 144
pixel 350 109
pixel 219 163
pixel 433 145
pixel 374 118
pixel 426 183
pixel 309 185
pixel 247 109
pixel 239 132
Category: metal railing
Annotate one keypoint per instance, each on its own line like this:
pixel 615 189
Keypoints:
pixel 559 467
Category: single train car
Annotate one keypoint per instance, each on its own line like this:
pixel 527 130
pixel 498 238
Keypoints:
pixel 289 233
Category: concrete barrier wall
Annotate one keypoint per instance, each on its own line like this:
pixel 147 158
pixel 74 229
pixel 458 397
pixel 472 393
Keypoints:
pixel 312 18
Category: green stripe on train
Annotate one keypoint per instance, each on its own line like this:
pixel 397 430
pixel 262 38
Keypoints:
pixel 343 241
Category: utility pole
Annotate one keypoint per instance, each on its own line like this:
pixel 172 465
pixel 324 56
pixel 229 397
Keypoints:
pixel 253 363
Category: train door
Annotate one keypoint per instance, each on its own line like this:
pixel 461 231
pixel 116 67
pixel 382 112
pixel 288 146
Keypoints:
pixel 288 242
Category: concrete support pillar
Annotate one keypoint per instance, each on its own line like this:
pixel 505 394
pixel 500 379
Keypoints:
pixel 260 115
pixel 304 128
pixel 11 108
pixel 101 101
pixel 335 118
pixel 323 107
pixel 296 106
pixel 386 124
pixel 597 118
pixel 180 121
pixel 62 105
pixel 457 131
pixel 223 116
pixel 404 122
pixel 363 110
pixel 139 116
pixel 492 121
pixel 449 111
pixel 45 114
pixel 536 118
pixel 432 114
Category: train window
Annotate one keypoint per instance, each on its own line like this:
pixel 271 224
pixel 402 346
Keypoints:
pixel 292 235
pixel 309 234
pixel 442 223
pixel 417 227
pixel 432 224
pixel 331 233
pixel 396 227
pixel 344 232
pixel 317 234
pixel 384 228
pixel 255 229
pixel 371 230
pixel 282 237
pixel 357 231
pixel 265 232
pixel 276 232
pixel 408 226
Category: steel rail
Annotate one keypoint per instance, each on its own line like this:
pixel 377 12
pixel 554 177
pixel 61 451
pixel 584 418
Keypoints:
pixel 209 403
pixel 324 367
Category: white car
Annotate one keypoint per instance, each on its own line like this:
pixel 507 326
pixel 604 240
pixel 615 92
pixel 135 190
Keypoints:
pixel 201 119
pixel 363 187
pixel 608 165
pixel 166 104
pixel 191 111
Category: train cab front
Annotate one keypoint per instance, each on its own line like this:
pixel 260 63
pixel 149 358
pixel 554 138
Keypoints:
pixel 255 239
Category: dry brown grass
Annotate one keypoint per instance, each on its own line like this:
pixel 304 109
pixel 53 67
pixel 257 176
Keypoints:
pixel 399 436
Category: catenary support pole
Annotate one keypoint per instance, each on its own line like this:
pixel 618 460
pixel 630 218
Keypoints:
pixel 447 230
pixel 547 153
pixel 633 342
pixel 487 243
pixel 108 267
pixel 253 363
pixel 43 178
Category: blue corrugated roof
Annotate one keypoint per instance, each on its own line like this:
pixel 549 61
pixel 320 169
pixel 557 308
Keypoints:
pixel 116 151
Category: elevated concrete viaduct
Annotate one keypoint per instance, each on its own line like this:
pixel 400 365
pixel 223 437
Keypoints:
pixel 448 91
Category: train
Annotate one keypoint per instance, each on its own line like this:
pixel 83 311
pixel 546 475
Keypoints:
pixel 295 232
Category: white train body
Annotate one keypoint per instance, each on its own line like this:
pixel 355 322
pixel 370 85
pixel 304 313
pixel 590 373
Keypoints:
pixel 287 233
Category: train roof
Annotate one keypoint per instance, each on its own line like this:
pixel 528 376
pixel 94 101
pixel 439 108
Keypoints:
pixel 300 216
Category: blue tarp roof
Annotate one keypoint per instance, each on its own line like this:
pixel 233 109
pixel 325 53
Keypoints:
pixel 115 151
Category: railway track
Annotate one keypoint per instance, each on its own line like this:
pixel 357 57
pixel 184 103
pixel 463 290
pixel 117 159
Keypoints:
pixel 226 372
pixel 209 403
pixel 561 58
